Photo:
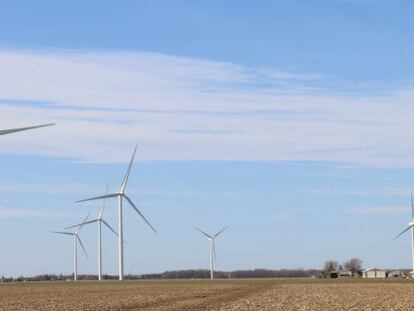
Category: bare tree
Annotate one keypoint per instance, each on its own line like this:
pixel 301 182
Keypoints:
pixel 353 265
pixel 329 266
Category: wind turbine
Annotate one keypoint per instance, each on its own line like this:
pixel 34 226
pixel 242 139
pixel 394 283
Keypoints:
pixel 121 195
pixel 410 226
pixel 212 248
pixel 100 221
pixel 9 131
pixel 76 238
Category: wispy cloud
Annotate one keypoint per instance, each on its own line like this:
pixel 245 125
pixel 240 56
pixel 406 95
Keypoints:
pixel 180 108
pixel 374 210
pixel 47 188
pixel 281 216
pixel 24 213
pixel 382 191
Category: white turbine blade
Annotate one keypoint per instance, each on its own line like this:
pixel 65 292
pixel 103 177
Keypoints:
pixel 84 220
pixel 218 233
pixel 83 247
pixel 112 229
pixel 412 207
pixel 207 235
pixel 140 214
pixel 111 195
pixel 103 204
pixel 109 227
pixel 405 230
pixel 62 232
pixel 125 181
pixel 9 131
pixel 83 223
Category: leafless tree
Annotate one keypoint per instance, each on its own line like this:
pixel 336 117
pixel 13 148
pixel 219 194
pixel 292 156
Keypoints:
pixel 353 265
pixel 329 266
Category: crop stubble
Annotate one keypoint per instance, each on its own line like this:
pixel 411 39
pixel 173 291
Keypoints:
pixel 243 295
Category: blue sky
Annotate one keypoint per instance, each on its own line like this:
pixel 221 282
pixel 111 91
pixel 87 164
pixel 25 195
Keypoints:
pixel 288 121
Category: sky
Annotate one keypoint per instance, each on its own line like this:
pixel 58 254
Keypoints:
pixel 290 122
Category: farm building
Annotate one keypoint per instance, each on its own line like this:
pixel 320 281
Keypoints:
pixel 374 273
pixel 340 274
pixel 396 274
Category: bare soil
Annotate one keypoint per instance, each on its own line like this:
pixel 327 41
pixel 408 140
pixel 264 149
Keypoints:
pixel 226 295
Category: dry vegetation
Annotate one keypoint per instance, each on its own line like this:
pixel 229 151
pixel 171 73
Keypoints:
pixel 205 295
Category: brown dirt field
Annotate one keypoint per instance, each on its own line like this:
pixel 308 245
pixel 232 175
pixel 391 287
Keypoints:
pixel 226 295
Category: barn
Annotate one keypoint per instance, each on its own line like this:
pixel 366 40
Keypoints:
pixel 374 273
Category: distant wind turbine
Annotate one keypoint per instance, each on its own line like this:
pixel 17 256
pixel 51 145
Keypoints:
pixel 410 226
pixel 9 131
pixel 212 248
pixel 76 238
pixel 121 195
pixel 100 221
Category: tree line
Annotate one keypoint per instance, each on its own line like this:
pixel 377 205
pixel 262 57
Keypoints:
pixel 353 265
pixel 180 274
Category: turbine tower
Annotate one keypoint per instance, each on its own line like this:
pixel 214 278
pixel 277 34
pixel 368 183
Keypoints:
pixel 212 248
pixel 76 238
pixel 100 221
pixel 9 131
pixel 410 226
pixel 121 195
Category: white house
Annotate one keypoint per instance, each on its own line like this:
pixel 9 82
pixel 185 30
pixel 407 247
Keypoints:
pixel 374 273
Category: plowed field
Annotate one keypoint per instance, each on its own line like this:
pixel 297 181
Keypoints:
pixel 226 295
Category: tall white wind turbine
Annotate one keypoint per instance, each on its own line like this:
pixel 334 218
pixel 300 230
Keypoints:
pixel 20 129
pixel 76 239
pixel 100 221
pixel 410 226
pixel 121 195
pixel 212 248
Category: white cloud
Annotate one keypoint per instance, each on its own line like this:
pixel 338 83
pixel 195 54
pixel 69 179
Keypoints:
pixel 181 108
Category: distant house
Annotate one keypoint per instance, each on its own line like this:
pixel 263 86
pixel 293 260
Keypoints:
pixel 374 273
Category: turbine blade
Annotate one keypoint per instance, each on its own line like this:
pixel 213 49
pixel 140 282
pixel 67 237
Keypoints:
pixel 111 195
pixel 84 220
pixel 405 230
pixel 83 247
pixel 218 233
pixel 62 232
pixel 207 235
pixel 112 229
pixel 9 131
pixel 140 214
pixel 412 207
pixel 81 224
pixel 125 181
pixel 103 204
pixel 109 227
